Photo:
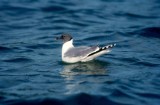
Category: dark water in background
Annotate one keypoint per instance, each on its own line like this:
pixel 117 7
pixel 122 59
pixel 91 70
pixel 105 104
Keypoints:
pixel 31 71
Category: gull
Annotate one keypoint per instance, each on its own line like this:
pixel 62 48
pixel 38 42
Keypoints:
pixel 72 54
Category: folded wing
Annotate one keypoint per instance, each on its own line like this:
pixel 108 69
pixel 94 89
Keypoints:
pixel 82 51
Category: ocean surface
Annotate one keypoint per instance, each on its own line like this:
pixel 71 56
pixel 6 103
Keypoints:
pixel 31 70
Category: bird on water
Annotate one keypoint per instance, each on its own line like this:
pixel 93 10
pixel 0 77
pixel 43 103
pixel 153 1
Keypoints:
pixel 72 54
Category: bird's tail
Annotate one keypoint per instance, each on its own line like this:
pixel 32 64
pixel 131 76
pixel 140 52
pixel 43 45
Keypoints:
pixel 102 50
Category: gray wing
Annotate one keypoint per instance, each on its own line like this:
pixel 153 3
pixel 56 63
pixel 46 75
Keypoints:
pixel 81 51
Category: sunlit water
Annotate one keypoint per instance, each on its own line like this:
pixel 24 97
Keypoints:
pixel 31 70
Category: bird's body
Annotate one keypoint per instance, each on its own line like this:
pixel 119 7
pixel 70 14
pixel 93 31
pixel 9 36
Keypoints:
pixel 71 54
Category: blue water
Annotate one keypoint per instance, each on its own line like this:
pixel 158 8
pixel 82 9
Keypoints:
pixel 31 70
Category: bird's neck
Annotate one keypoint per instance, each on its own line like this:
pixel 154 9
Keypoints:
pixel 66 46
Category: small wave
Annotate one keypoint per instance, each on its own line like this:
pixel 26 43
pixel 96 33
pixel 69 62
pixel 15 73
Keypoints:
pixel 149 64
pixel 96 38
pixel 129 60
pixel 53 8
pixel 35 102
pixel 150 32
pixel 88 99
pixel 39 46
pixel 2 48
pixel 18 26
pixel 149 95
pixel 16 10
pixel 134 15
pixel 136 61
pixel 15 60
pixel 123 95
pixel 79 99
pixel 78 23
pixel 44 37
pixel 100 39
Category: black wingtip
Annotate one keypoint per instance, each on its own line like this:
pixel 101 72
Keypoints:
pixel 110 46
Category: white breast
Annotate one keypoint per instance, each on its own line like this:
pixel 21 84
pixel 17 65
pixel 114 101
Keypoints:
pixel 66 46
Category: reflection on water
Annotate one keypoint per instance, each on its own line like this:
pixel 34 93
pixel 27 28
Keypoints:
pixel 95 67
pixel 83 74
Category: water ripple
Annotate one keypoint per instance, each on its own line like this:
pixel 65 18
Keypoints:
pixel 53 8
pixel 150 32
pixel 40 46
pixel 133 15
pixel 18 60
pixel 31 70
pixel 5 49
